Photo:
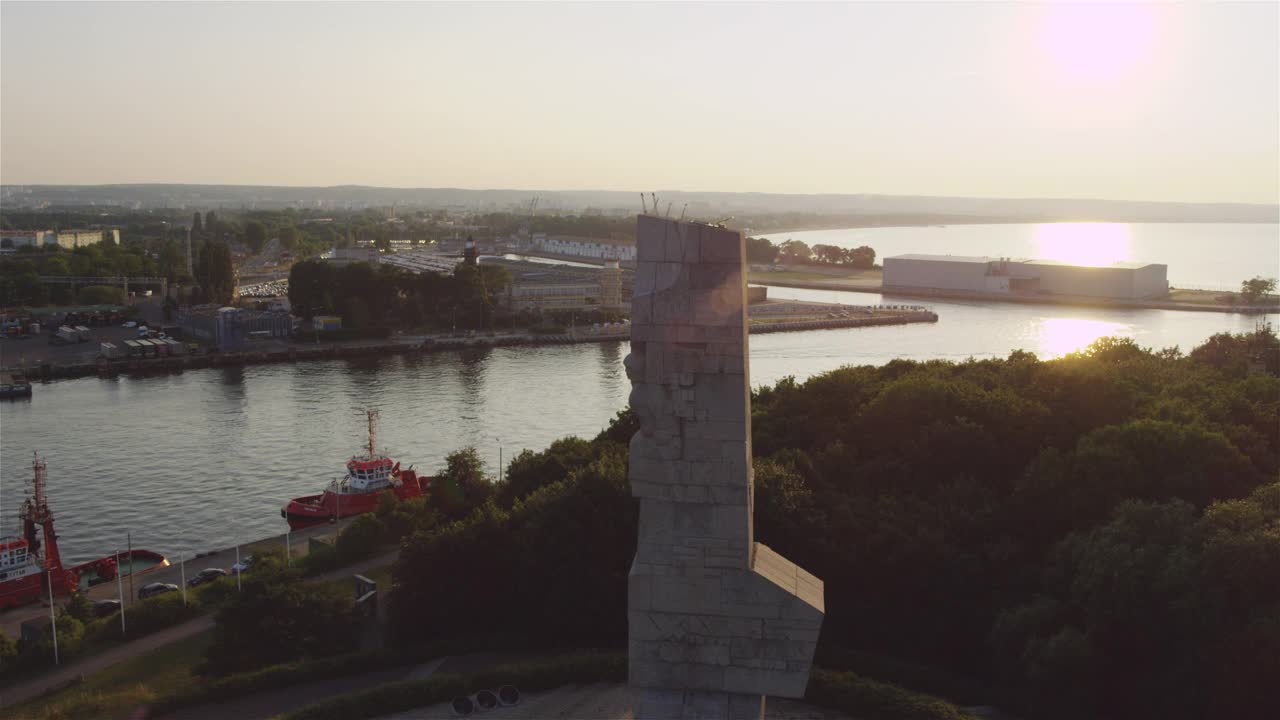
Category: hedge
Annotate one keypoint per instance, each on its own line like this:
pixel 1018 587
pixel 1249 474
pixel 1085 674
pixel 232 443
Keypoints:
pixel 862 697
pixel 312 669
pixel 590 667
pixel 842 691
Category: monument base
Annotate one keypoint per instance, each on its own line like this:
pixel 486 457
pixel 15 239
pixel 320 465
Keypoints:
pixel 655 704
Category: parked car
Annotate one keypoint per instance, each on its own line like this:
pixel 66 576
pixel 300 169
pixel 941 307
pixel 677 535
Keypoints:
pixel 243 565
pixel 156 588
pixel 103 608
pixel 130 324
pixel 207 575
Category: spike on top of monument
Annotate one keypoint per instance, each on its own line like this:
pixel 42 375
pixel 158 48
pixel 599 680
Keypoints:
pixel 709 609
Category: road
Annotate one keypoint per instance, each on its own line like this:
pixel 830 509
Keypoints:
pixel 96 663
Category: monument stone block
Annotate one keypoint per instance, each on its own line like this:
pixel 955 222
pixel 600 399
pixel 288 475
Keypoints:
pixel 717 621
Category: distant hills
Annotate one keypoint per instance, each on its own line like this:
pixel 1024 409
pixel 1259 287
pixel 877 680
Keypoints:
pixel 699 204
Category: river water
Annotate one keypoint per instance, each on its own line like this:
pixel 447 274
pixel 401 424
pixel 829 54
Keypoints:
pixel 202 459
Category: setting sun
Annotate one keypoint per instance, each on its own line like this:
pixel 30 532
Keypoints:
pixel 1098 42
pixel 1083 243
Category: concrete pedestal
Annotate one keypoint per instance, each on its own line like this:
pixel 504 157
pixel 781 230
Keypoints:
pixel 654 704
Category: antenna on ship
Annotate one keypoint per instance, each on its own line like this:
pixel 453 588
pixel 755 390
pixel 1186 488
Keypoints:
pixel 373 420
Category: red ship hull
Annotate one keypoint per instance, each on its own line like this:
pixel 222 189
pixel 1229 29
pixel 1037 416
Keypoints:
pixel 310 510
pixel 32 588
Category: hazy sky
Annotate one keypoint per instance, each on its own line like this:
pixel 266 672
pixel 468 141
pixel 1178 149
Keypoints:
pixel 1144 101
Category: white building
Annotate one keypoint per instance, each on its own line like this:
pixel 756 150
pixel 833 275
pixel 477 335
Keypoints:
pixel 1009 276
pixel 597 248
pixel 72 239
pixel 23 238
pixel 66 239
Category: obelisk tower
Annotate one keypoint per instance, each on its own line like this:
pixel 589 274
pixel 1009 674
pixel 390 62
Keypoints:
pixel 716 620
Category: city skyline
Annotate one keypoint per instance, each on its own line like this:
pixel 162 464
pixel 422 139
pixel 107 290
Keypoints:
pixel 1124 102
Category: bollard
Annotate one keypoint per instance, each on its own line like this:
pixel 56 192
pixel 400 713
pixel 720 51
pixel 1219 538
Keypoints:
pixel 508 695
pixel 463 706
pixel 486 700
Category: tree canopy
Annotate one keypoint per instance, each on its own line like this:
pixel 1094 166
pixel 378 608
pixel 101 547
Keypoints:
pixel 1092 536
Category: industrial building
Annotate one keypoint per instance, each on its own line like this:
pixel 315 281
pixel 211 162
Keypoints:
pixel 597 248
pixel 1024 277
pixel 229 328
pixel 546 287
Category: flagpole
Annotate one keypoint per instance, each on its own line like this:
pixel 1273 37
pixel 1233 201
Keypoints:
pixel 120 592
pixel 239 570
pixel 131 592
pixel 53 617
pixel 182 562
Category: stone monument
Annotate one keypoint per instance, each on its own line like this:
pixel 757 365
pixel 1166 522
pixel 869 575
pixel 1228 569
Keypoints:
pixel 716 621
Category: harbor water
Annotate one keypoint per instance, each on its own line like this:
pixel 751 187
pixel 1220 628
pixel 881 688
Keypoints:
pixel 203 459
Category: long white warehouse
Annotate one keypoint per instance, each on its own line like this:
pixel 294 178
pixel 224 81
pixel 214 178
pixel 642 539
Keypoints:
pixel 1008 276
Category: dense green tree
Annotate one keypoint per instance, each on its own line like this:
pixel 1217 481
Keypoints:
pixel 795 251
pixel 290 237
pixel 1253 289
pixel 529 471
pixel 277 617
pixel 862 257
pixel 255 235
pixel 761 251
pixel 215 273
pixel 462 485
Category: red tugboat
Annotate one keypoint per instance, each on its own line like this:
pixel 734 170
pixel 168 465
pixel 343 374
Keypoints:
pixel 25 573
pixel 357 492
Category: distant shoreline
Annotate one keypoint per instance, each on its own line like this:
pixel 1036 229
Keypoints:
pixel 992 221
pixel 1071 300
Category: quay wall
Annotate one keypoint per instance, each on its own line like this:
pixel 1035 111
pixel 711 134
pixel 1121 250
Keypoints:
pixel 106 367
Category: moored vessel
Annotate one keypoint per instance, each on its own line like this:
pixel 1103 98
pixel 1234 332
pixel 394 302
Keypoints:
pixel 31 565
pixel 359 490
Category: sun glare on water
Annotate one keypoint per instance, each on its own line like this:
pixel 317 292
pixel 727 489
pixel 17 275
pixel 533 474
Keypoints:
pixel 1083 243
pixel 1059 336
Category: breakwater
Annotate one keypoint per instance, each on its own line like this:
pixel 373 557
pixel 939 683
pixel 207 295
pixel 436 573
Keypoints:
pixel 411 345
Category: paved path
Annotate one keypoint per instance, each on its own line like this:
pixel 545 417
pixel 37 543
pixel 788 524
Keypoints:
pixel 87 666
pixel 600 701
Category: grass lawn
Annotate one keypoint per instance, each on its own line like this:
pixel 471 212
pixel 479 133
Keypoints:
pixel 116 691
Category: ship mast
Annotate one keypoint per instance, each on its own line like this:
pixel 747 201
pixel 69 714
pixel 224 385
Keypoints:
pixel 35 511
pixel 373 418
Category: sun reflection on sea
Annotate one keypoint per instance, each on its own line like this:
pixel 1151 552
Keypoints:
pixel 1056 337
pixel 1083 243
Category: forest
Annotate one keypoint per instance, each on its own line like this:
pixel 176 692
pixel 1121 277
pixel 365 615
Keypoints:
pixel 1091 536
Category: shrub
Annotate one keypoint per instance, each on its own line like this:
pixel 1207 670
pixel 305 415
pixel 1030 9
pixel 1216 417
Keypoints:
pixel 361 538
pixel 590 667
pixel 861 697
pixel 276 618
pixel 101 295
pixel 321 557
